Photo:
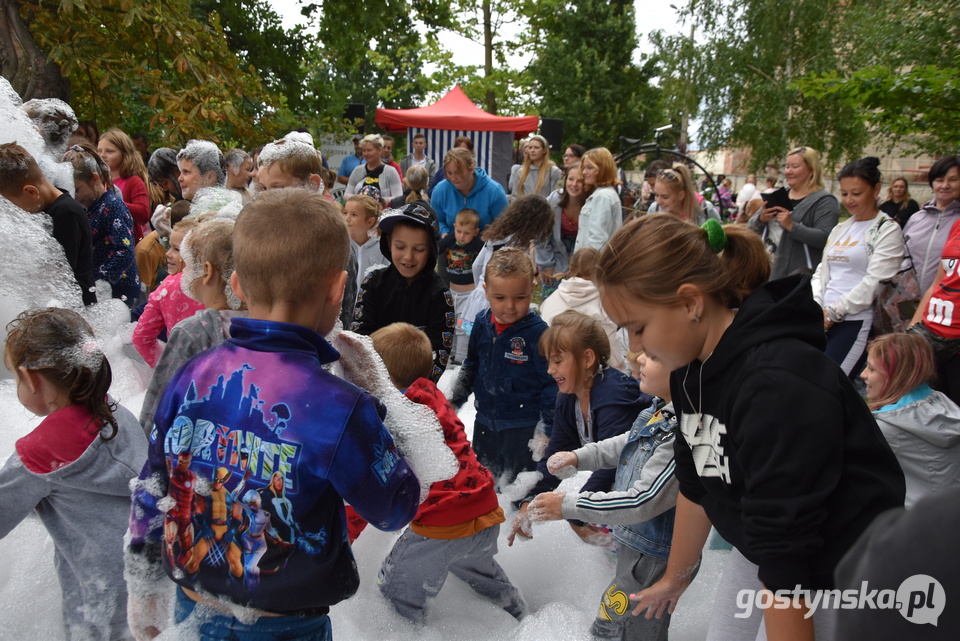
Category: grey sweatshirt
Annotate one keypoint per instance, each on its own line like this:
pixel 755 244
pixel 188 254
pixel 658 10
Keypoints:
pixel 85 506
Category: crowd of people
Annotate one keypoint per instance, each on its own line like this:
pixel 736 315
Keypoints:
pixel 703 372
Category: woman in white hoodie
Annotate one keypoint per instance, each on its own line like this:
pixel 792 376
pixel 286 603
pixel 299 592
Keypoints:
pixel 579 293
pixel 921 425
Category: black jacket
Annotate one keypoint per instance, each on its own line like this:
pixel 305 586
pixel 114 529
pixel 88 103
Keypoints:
pixel 783 455
pixel 385 297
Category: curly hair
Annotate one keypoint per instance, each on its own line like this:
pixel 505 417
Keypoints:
pixel 528 219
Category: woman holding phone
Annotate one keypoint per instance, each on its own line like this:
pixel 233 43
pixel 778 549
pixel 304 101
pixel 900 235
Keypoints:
pixel 807 214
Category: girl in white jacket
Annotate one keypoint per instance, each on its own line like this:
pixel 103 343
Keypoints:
pixel 578 292
pixel 860 252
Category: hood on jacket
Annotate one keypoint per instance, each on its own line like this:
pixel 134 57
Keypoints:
pixel 933 418
pixel 418 214
pixel 481 181
pixel 575 292
pixel 783 308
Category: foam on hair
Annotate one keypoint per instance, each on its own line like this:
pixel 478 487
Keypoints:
pixel 17 169
pixel 288 243
pixel 206 156
pixel 294 154
pixel 59 345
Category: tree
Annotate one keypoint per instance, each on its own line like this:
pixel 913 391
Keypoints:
pixel 584 73
pixel 902 75
pixel 750 54
pixel 139 66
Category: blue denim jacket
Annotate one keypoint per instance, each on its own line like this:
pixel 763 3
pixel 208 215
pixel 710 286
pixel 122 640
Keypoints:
pixel 653 536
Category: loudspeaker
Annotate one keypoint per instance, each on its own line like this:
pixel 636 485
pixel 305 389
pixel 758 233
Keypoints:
pixel 354 112
pixel 552 130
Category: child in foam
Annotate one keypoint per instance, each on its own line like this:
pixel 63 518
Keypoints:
pixel 455 530
pixel 129 174
pixel 262 387
pixel 111 226
pixel 23 184
pixel 921 425
pixel 201 165
pixel 514 393
pixel 75 468
pixel 168 304
pixel 293 161
pixel 641 505
pixel 594 403
pixel 409 290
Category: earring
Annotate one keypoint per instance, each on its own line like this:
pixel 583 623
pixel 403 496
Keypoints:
pixel 696 319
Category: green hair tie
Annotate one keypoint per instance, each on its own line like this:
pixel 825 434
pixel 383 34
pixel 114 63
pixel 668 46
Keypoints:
pixel 716 237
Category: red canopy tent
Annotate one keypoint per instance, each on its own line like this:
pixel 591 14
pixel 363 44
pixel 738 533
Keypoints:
pixel 455 115
pixel 455 111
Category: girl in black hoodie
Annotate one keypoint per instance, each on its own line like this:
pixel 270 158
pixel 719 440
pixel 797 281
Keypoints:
pixel 778 451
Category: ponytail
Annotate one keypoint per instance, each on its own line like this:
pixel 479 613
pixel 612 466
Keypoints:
pixel 651 257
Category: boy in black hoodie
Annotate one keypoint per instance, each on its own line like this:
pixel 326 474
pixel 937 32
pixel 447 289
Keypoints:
pixel 409 290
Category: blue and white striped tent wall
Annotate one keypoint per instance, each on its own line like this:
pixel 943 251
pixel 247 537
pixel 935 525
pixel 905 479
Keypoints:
pixel 492 148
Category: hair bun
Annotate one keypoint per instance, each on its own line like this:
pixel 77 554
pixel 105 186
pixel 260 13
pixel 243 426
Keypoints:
pixel 872 162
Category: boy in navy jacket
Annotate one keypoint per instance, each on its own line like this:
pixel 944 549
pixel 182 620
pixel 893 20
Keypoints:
pixel 257 414
pixel 514 394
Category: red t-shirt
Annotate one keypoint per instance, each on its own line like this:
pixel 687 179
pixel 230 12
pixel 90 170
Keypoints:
pixel 943 310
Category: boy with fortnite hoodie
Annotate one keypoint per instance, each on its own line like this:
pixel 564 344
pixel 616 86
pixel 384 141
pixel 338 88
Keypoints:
pixel 257 406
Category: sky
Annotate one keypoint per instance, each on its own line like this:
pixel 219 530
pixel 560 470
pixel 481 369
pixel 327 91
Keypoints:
pixel 651 16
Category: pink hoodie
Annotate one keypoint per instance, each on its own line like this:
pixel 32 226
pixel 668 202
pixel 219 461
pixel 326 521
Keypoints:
pixel 166 307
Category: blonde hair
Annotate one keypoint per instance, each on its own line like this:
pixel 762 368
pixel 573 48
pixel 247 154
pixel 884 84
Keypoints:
pixel 812 159
pixel 132 163
pixel 545 165
pixel 417 180
pixel 583 263
pixel 679 179
pixel 406 351
pixel 467 217
pixel 509 262
pixel 906 192
pixel 906 360
pixel 574 333
pixel 370 207
pixel 649 258
pixel 287 244
pixel 462 158
pixel 602 159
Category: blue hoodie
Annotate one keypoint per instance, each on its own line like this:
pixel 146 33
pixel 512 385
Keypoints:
pixel 487 198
